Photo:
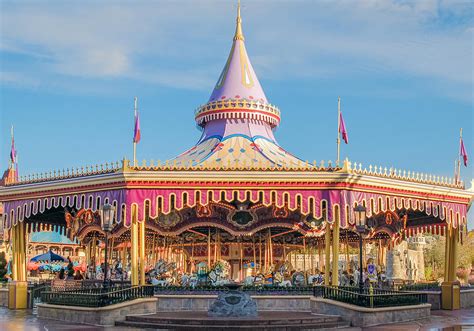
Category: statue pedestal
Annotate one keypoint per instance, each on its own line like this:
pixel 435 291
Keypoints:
pixel 233 303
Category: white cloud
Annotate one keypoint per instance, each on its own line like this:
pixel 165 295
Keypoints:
pixel 93 63
pixel 18 79
pixel 177 43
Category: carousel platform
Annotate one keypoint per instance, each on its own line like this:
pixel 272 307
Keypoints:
pixel 265 321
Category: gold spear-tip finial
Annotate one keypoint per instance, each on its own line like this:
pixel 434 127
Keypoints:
pixel 238 30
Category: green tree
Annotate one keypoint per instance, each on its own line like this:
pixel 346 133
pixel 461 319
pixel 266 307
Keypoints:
pixel 434 255
pixel 466 251
pixel 3 266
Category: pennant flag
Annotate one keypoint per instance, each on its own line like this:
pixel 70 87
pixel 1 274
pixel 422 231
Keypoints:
pixel 136 131
pixel 462 152
pixel 13 153
pixel 342 129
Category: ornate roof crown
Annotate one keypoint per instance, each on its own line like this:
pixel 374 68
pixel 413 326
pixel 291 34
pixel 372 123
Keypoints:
pixel 238 93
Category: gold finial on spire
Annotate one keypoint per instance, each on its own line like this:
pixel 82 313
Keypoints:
pixel 238 30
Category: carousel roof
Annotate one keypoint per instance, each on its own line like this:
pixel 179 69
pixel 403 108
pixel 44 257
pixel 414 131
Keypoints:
pixel 236 161
pixel 238 79
pixel 237 121
pixel 50 237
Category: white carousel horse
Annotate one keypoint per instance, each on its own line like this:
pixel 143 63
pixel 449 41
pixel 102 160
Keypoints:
pixel 285 283
pixel 299 279
pixel 189 280
pixel 164 273
pixel 219 274
pixel 316 279
pixel 258 279
pixel 281 275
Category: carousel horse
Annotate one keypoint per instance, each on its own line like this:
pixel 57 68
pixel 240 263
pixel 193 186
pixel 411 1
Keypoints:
pixel 344 279
pixel 162 266
pixel 316 279
pixel 258 279
pixel 201 273
pixel 299 278
pixel 189 280
pixel 281 276
pixel 165 273
pixel 219 273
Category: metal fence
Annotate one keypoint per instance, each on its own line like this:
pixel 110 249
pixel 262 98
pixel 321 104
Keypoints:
pixel 96 297
pixel 370 298
pixel 252 290
pixel 35 292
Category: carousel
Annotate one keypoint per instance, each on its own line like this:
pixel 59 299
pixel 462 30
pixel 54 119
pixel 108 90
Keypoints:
pixel 236 206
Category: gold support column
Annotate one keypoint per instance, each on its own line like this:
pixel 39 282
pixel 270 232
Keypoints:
pixel 450 288
pixel 94 254
pixel 141 231
pixel 22 243
pixel 327 253
pixel 453 254
pixel 447 255
pixel 134 251
pixel 18 288
pixel 88 254
pixel 335 248
pixel 14 257
pixel 124 257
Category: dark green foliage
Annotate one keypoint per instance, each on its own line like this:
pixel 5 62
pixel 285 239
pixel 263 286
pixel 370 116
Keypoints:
pixel 70 269
pixel 3 267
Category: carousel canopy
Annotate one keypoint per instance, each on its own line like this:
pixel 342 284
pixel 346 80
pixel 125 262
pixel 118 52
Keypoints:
pixel 236 174
pixel 48 257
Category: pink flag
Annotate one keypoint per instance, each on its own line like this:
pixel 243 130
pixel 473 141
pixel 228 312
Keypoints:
pixel 462 152
pixel 136 131
pixel 342 129
pixel 13 152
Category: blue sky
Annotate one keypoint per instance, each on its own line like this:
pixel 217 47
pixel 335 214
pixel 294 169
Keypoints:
pixel 404 70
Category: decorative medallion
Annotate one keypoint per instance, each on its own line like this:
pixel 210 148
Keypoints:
pixel 242 217
pixel 169 220
pixel 280 212
pixel 203 211
pixel 75 221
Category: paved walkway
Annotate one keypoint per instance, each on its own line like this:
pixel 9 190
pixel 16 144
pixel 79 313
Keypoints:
pixel 442 320
pixel 445 320
pixel 24 320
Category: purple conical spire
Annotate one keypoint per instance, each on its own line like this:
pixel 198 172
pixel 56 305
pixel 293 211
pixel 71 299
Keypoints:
pixel 238 79
pixel 237 121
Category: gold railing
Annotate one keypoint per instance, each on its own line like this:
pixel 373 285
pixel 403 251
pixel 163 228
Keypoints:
pixel 97 169
pixel 411 176
pixel 237 104
pixel 206 165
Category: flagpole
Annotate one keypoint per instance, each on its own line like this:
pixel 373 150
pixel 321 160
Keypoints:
pixel 458 177
pixel 456 171
pixel 338 130
pixel 134 143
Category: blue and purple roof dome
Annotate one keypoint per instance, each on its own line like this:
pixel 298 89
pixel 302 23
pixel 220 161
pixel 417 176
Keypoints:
pixel 237 121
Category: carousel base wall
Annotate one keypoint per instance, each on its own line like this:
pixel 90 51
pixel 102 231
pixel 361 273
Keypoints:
pixel 467 299
pixel 203 302
pixel 362 317
pixel 3 297
pixel 104 316
pixel 434 298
